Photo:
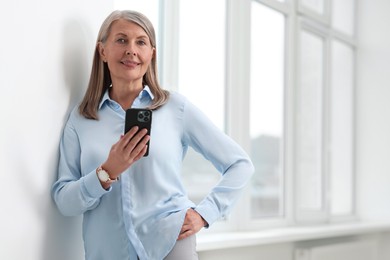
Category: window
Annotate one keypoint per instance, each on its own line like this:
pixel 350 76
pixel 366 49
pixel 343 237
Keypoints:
pixel 267 110
pixel 277 76
pixel 309 158
pixel 314 5
pixel 202 61
pixel 343 17
pixel 341 128
pixel 324 122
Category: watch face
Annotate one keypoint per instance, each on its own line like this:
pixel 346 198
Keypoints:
pixel 103 175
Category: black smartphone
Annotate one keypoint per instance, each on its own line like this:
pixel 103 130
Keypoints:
pixel 141 118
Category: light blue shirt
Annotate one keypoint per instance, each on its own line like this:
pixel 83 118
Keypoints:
pixel 143 212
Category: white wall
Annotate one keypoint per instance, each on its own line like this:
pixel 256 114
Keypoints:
pixel 373 109
pixel 45 50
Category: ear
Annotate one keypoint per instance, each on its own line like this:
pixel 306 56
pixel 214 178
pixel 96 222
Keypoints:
pixel 101 50
pixel 154 53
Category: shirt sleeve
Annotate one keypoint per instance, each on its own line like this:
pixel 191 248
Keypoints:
pixel 226 156
pixel 73 193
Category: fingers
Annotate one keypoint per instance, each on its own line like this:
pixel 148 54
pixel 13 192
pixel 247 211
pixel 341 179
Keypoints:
pixel 193 222
pixel 134 141
pixel 137 147
pixel 130 135
pixel 126 137
pixel 186 234
pixel 140 154
pixel 130 147
pixel 186 230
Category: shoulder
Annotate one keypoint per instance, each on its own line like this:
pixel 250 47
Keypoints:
pixel 177 105
pixel 176 101
pixel 74 114
pixel 176 97
pixel 74 117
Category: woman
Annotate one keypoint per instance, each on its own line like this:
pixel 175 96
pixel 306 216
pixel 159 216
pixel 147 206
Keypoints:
pixel 136 206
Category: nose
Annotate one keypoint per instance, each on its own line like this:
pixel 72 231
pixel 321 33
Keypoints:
pixel 128 52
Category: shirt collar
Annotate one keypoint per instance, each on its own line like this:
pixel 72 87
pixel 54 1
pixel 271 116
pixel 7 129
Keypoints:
pixel 145 93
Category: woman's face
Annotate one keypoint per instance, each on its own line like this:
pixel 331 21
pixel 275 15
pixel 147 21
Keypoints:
pixel 127 51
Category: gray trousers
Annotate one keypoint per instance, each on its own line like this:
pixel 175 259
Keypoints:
pixel 184 249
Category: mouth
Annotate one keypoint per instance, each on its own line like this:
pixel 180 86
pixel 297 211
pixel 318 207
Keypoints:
pixel 130 63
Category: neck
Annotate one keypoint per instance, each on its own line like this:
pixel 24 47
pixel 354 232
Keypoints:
pixel 125 94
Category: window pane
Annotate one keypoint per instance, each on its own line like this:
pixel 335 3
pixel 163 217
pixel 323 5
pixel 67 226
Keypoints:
pixel 309 122
pixel 343 15
pixel 201 78
pixel 315 5
pixel 341 129
pixel 266 106
pixel 202 55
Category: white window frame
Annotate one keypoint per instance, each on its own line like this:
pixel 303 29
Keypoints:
pixel 304 216
pixel 321 26
pixel 286 218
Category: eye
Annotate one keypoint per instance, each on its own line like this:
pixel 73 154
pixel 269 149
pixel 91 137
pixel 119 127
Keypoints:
pixel 121 40
pixel 141 42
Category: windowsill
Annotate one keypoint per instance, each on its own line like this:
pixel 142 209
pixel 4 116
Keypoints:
pixel 288 234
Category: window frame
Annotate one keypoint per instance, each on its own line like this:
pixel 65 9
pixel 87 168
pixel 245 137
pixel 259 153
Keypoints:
pixel 286 218
pixel 329 34
pixel 352 126
pixel 301 215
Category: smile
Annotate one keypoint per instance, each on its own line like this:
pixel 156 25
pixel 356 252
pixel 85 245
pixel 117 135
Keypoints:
pixel 130 63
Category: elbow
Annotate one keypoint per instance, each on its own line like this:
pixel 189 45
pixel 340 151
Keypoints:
pixel 68 210
pixel 250 168
pixel 246 165
pixel 64 205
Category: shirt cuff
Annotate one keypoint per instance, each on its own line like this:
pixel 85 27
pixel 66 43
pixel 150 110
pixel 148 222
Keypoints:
pixel 93 187
pixel 208 212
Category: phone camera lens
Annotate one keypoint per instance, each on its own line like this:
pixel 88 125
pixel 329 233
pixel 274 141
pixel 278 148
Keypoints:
pixel 144 116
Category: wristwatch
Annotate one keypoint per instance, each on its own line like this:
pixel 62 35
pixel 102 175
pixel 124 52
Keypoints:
pixel 104 176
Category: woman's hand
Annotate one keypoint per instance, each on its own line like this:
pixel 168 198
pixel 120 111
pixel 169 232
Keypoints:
pixel 193 222
pixel 130 148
